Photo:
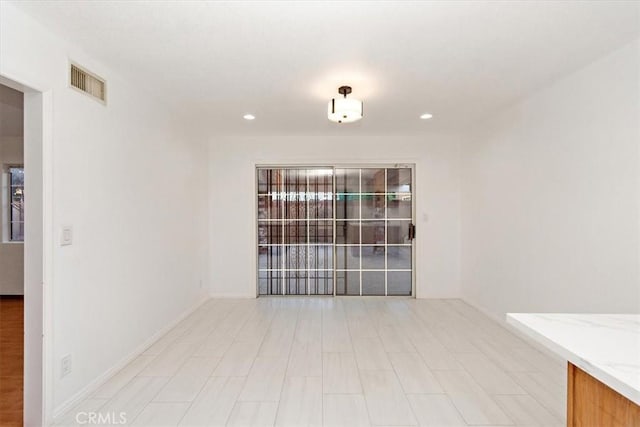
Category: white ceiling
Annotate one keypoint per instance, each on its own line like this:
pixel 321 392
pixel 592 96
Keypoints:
pixel 283 61
pixel 11 107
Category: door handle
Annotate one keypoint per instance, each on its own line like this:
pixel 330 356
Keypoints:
pixel 412 231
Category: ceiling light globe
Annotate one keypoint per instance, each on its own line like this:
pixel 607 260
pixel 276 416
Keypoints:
pixel 344 110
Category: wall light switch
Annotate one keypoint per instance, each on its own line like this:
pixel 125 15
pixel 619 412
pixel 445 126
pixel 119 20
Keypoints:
pixel 66 236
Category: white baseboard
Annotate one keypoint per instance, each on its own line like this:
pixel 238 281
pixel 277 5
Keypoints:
pixel 438 296
pixel 502 321
pixel 101 379
pixel 229 296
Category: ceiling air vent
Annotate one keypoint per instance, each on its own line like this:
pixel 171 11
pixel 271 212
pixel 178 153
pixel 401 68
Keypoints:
pixel 88 83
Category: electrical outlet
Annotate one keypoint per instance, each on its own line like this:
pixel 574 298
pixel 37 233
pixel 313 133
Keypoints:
pixel 65 366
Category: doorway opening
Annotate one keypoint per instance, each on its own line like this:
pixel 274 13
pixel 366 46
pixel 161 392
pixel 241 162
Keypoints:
pixel 335 230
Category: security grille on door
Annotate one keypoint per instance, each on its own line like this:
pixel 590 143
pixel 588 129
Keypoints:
pixel 295 231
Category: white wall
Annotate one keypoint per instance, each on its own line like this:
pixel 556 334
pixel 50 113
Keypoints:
pixel 232 195
pixel 123 177
pixel 11 254
pixel 550 196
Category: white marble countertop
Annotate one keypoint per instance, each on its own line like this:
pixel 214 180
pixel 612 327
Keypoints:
pixel 607 346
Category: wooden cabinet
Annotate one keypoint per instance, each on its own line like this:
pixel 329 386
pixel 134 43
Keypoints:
pixel 591 403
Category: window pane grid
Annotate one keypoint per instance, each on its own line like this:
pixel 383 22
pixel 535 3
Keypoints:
pixel 369 244
pixel 373 219
pixel 386 234
pixel 373 214
pixel 371 269
pixel 16 204
pixel 360 225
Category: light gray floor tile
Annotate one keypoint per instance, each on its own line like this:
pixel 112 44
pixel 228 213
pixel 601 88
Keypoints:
pixel 253 414
pixel 490 377
pixel 542 389
pixel 395 340
pixel 434 354
pixel 165 341
pixel 370 354
pixel 435 410
pixel 305 359
pixel 309 329
pixel 162 414
pixel 362 327
pixel 135 396
pixel 188 381
pixel 215 402
pixel 168 362
pixel 119 380
pixel 340 373
pixel 386 402
pixel 265 380
pixel 237 360
pixel 335 336
pixel 75 416
pixel 475 405
pixel 413 373
pixel 214 345
pixel 345 410
pixel 526 411
pixel 301 402
pixel 278 340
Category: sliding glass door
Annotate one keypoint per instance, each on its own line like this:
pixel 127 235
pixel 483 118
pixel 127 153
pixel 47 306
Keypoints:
pixel 342 231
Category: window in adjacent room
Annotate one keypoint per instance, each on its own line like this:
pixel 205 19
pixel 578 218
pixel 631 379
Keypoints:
pixel 16 204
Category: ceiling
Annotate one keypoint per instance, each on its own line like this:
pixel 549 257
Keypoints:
pixel 11 105
pixel 283 61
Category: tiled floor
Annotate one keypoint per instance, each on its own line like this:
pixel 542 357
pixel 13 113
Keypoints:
pixel 336 361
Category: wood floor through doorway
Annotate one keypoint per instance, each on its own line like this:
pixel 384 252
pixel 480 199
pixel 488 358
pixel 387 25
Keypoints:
pixel 11 359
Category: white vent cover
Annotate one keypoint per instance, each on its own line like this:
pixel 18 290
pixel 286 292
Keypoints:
pixel 88 83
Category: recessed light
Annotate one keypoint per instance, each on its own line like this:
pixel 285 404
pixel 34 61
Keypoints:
pixel 426 116
pixel 248 117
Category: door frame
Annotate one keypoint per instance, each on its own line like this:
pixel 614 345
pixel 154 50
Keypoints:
pixel 38 250
pixel 333 165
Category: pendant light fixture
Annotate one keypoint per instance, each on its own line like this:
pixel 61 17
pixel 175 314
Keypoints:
pixel 344 110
